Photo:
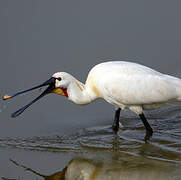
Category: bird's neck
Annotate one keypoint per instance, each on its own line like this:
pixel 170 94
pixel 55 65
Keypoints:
pixel 79 94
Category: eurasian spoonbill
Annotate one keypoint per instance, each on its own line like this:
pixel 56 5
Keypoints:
pixel 126 85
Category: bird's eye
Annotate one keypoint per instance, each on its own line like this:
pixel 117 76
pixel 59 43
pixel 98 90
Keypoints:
pixel 59 78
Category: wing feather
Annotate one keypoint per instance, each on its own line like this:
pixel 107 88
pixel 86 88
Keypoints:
pixel 139 89
pixel 131 83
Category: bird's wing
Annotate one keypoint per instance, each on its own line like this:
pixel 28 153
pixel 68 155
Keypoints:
pixel 139 89
pixel 131 83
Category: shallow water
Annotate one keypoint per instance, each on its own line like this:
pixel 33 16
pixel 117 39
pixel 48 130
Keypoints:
pixel 39 38
pixel 97 149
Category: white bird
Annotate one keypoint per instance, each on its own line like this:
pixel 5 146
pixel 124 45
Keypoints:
pixel 125 85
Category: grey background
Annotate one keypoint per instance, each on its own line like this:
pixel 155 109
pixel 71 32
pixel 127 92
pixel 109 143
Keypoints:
pixel 40 37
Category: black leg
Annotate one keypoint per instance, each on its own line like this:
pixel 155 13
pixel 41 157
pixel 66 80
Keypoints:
pixel 149 130
pixel 115 125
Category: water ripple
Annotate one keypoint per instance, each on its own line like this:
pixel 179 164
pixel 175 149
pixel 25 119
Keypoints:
pixel 165 144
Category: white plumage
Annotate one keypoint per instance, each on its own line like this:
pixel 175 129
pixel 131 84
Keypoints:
pixel 126 85
pixel 123 84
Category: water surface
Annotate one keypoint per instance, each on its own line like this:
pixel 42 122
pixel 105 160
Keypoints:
pixel 123 155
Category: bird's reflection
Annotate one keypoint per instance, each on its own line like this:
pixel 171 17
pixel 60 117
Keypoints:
pixel 55 176
pixel 101 155
pixel 87 169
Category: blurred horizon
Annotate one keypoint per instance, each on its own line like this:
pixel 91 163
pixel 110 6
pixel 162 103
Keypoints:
pixel 40 37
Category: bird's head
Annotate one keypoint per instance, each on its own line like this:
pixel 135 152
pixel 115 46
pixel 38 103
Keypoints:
pixel 62 81
pixel 57 84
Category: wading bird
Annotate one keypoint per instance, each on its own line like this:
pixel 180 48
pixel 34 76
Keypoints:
pixel 125 85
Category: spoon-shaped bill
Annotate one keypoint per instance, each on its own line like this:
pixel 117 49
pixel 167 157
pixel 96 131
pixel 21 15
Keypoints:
pixel 47 91
pixel 48 82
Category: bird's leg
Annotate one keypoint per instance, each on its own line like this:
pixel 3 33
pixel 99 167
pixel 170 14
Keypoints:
pixel 149 130
pixel 115 125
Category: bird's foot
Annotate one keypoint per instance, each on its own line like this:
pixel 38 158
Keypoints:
pixel 116 127
pixel 148 135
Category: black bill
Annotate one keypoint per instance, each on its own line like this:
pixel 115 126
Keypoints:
pixel 51 85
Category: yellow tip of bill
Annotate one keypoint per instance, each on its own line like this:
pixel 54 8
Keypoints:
pixel 6 97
